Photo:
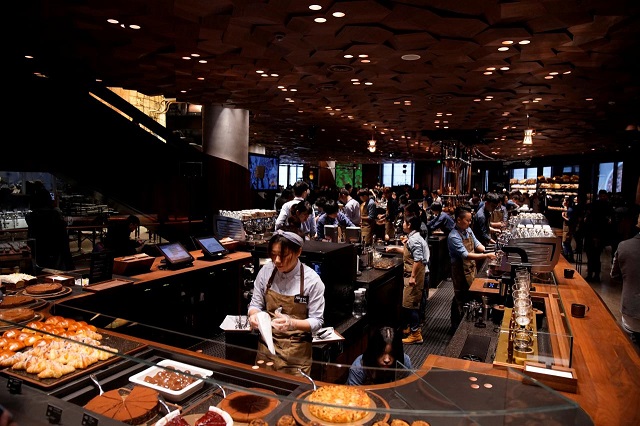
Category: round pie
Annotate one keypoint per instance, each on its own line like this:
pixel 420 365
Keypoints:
pixel 244 407
pixel 343 396
pixel 15 301
pixel 17 314
pixel 47 288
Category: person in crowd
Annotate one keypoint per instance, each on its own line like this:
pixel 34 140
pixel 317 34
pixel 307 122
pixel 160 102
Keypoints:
pixel 568 228
pixel 7 419
pixel 440 221
pixel 285 195
pixel 319 207
pixel 300 193
pixel 391 212
pixel 48 227
pixel 292 294
pixel 299 214
pixel 350 206
pixel 415 257
pixel 118 239
pixel 597 229
pixel 481 225
pixel 416 193
pixel 377 364
pixel 579 210
pixel 474 201
pixel 367 215
pixel 464 250
pixel 427 200
pixel 626 270
pixel 332 216
pixel 413 209
pixel 435 197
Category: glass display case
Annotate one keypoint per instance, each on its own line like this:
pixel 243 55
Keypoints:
pixel 116 361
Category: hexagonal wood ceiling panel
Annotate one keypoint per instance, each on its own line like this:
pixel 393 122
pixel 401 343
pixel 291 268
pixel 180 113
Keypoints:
pixel 314 95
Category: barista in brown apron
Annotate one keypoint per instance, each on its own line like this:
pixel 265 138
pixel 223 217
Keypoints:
pixel 463 268
pixel 293 348
pixel 368 222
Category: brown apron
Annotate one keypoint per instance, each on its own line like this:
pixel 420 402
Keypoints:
pixel 293 348
pixel 365 225
pixel 463 272
pixel 411 295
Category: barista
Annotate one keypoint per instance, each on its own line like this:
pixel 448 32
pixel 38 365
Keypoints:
pixel 293 295
pixel 464 250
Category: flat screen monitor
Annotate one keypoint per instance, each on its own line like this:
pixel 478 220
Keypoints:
pixel 211 247
pixel 176 255
pixel 263 171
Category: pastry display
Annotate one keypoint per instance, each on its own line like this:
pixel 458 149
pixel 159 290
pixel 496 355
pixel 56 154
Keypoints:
pixel 15 301
pixel 211 418
pixel 342 396
pixel 258 422
pixel 133 408
pixel 40 289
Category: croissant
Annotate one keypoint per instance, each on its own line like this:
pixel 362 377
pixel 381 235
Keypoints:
pixel 10 361
pixel 80 361
pixel 55 370
pixel 35 325
pixel 33 339
pixel 35 365
pixel 21 362
pixel 3 342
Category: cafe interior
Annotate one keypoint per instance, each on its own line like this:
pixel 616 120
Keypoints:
pixel 176 112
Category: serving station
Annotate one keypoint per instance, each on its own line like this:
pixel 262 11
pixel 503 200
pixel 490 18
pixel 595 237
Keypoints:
pixel 172 316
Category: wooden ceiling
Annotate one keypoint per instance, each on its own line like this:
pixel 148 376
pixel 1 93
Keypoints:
pixel 578 50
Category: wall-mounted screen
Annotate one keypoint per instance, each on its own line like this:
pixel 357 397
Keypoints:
pixel 264 172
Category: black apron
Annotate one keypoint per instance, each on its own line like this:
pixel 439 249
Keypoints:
pixel 463 272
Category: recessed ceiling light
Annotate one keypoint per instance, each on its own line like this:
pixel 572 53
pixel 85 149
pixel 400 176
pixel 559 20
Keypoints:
pixel 504 68
pixel 186 58
pixel 280 87
pixel 491 68
pixel 507 42
pixel 265 75
pixel 274 75
pixel 338 14
pixel 200 78
pixel 487 73
pixel 365 61
pixel 315 7
pixel 347 56
pixel 113 21
pixel 548 77
pixel 202 61
pixel 320 20
pixel 260 72
pixel 589 99
pixel 567 72
pixel 410 57
pixel 503 49
pixel 195 55
pixel 368 83
pixel 554 73
pixel 524 42
pixel 134 27
pixel 363 56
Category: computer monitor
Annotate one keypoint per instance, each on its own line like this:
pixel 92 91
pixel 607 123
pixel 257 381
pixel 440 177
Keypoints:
pixel 211 247
pixel 176 255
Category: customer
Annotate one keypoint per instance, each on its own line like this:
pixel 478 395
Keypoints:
pixel 285 195
pixel 391 212
pixel 118 239
pixel 287 283
pixel 568 229
pixel 464 250
pixel 626 270
pixel 6 417
pixel 299 215
pixel 377 364
pixel 350 206
pixel 597 229
pixel 332 216
pixel 440 221
pixel 367 215
pixel 48 227
pixel 415 256
pixel 300 192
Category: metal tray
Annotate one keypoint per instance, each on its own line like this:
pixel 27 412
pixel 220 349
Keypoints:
pixel 123 346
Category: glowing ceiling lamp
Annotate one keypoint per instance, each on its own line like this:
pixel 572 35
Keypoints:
pixel 528 134
pixel 371 143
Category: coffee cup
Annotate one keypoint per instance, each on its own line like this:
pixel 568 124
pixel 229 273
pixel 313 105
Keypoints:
pixel 568 273
pixel 578 310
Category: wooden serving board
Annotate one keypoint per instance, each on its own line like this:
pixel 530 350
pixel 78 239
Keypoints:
pixel 105 285
pixel 244 407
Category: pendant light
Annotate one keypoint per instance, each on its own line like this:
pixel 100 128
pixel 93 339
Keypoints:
pixel 528 134
pixel 371 143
